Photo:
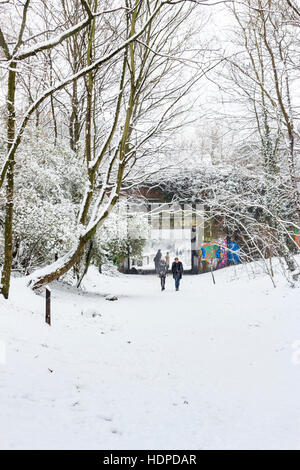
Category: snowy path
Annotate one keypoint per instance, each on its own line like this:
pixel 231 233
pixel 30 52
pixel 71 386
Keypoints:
pixel 209 367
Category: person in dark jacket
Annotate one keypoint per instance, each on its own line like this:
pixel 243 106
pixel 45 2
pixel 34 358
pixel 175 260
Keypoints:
pixel 157 259
pixel 177 270
pixel 162 273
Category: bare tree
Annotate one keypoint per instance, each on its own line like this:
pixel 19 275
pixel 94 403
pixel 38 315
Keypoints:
pixel 257 79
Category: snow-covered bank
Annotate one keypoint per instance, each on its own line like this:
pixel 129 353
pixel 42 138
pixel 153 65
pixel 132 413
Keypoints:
pixel 204 368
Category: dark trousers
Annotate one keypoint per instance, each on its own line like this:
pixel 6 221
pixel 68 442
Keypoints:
pixel 177 282
pixel 162 281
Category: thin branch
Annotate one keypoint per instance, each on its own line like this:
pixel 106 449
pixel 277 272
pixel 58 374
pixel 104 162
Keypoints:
pixel 23 24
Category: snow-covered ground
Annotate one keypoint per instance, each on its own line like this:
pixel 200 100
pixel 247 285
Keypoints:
pixel 208 367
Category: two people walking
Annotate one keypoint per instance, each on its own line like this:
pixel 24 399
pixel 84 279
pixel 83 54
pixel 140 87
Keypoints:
pixel 177 271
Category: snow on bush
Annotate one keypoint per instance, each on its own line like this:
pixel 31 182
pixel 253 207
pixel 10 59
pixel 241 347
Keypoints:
pixel 49 183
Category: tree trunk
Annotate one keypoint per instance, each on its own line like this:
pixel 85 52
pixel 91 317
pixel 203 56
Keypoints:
pixel 9 207
pixel 64 264
pixel 58 268
pixel 74 125
pixel 88 260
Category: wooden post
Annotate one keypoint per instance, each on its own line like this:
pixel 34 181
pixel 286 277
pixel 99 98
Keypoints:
pixel 211 270
pixel 48 306
pixel 270 257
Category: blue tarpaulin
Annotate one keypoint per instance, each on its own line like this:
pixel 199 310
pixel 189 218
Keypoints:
pixel 233 253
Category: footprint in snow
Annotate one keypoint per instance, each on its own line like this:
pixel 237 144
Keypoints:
pixel 105 418
pixel 115 431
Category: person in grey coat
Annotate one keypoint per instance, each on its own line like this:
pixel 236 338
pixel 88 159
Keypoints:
pixel 162 273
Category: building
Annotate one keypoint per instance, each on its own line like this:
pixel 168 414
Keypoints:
pixel 177 229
